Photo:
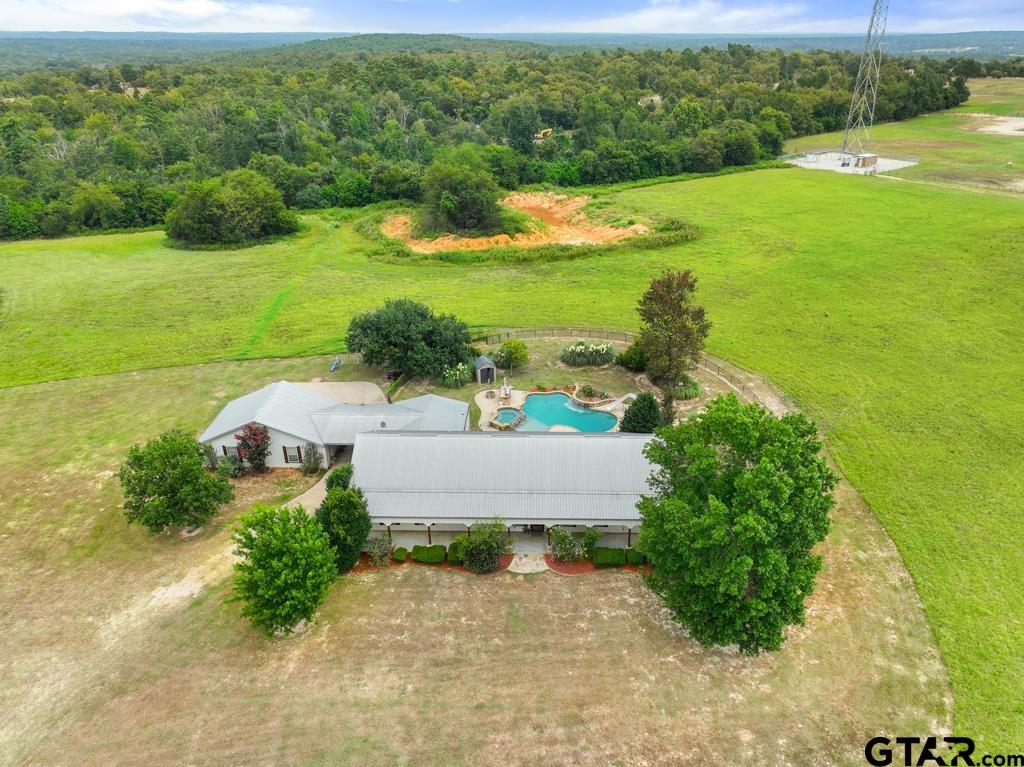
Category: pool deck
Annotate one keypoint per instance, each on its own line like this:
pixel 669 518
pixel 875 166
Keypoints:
pixel 489 407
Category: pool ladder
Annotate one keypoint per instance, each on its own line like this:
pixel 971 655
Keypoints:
pixel 519 419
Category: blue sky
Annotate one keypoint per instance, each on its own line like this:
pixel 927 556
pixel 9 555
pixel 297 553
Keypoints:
pixel 733 16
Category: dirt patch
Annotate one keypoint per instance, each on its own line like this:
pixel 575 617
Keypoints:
pixel 565 224
pixel 996 124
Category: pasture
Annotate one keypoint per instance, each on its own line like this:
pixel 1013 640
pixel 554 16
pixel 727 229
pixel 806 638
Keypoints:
pixel 950 145
pixel 890 311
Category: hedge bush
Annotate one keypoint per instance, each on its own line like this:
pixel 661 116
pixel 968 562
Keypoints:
pixel 379 550
pixel 634 557
pixel 340 477
pixel 428 555
pixel 401 554
pixel 606 557
pixel 482 551
pixel 455 550
pixel 633 359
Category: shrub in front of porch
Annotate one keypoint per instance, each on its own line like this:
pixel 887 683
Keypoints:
pixel 401 554
pixel 565 546
pixel 455 551
pixel 607 557
pixel 429 555
pixel 482 551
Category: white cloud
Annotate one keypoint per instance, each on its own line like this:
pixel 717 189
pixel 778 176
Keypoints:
pixel 150 15
pixel 715 16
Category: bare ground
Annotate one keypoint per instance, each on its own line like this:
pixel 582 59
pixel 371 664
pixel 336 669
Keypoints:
pixel 995 124
pixel 565 224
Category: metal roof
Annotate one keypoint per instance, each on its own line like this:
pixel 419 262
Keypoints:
pixel 484 361
pixel 554 478
pixel 283 406
pixel 294 410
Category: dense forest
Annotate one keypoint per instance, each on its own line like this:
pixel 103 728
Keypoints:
pixel 329 124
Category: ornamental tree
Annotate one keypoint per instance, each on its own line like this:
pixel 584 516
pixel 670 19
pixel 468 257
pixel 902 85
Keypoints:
pixel 512 354
pixel 344 518
pixel 674 327
pixel 165 483
pixel 741 499
pixel 286 566
pixel 642 416
pixel 254 446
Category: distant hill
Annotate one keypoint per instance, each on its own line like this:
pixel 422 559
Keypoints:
pixel 24 51
pixel 983 45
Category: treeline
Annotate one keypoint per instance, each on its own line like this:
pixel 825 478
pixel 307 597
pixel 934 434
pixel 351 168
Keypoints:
pixel 962 67
pixel 108 148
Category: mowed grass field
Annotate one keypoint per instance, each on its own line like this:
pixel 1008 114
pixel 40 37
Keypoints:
pixel 891 311
pixel 949 145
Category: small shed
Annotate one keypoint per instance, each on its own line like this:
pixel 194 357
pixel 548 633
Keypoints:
pixel 865 161
pixel 486 370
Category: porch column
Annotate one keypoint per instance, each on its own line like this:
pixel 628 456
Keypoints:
pixel 429 541
pixel 389 532
pixel 629 537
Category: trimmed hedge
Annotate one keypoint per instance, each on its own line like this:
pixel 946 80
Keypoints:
pixel 340 477
pixel 428 555
pixel 455 552
pixel 401 554
pixel 606 557
pixel 634 557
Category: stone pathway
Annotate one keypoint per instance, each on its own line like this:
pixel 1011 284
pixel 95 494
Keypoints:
pixel 528 563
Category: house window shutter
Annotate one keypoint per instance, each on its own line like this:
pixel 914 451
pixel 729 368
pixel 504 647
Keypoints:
pixel 284 450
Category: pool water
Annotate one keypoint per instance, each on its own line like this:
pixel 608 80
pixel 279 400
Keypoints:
pixel 507 414
pixel 546 410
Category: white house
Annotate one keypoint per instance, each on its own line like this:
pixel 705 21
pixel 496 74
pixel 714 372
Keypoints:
pixel 296 416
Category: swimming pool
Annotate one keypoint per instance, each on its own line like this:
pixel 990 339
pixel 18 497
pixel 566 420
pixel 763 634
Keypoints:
pixel 546 410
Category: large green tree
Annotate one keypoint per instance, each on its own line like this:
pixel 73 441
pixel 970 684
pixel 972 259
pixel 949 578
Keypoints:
pixel 344 518
pixel 407 336
pixel 741 497
pixel 460 193
pixel 242 206
pixel 285 568
pixel 673 328
pixel 165 483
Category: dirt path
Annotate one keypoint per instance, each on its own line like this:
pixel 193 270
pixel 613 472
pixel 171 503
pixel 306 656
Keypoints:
pixel 565 224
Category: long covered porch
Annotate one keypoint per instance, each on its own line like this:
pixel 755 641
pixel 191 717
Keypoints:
pixel 527 537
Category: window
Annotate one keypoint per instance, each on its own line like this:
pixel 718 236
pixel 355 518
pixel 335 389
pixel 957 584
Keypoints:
pixel 293 455
pixel 231 451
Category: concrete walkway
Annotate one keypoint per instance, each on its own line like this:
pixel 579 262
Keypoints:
pixel 313 497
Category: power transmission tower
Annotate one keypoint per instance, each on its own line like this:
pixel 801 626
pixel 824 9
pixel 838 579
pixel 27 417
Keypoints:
pixel 865 89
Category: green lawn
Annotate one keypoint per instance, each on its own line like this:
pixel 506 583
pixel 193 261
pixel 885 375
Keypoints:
pixel 891 311
pixel 950 148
